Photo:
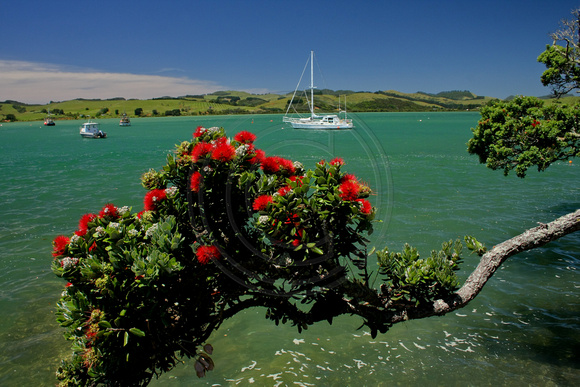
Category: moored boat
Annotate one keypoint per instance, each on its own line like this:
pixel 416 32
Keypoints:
pixel 91 129
pixel 316 121
pixel 125 121
pixel 48 121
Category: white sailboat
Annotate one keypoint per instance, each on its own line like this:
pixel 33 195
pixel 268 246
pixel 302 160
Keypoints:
pixel 316 121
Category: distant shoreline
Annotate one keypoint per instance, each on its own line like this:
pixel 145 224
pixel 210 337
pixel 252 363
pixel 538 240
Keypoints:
pixel 235 102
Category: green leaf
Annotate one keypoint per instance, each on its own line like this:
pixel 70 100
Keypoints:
pixel 137 332
pixel 317 250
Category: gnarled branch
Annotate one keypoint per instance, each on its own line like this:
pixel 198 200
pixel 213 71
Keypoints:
pixel 490 262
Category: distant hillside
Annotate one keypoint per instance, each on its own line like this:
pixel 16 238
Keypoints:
pixel 455 94
pixel 239 102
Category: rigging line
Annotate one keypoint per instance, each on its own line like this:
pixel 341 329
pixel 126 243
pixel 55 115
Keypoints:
pixel 298 85
pixel 324 84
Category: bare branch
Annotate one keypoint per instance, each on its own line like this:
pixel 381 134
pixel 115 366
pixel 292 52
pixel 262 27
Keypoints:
pixel 570 30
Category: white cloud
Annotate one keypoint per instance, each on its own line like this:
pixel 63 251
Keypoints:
pixel 40 83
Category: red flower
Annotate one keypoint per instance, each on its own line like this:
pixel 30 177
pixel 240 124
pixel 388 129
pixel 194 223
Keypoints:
pixel 245 137
pixel 287 165
pixel 93 246
pixel 348 177
pixel 223 152
pixel 59 245
pixel 199 131
pixel 206 253
pixel 337 161
pixel 152 199
pixel 276 164
pixel 261 202
pixel 258 158
pixel 365 206
pixel 284 190
pixel 294 220
pixel 84 224
pixel 199 150
pixel 195 181
pixel 535 123
pixel 295 242
pixel 349 190
pixel 109 210
pixel 270 165
pixel 297 179
pixel 140 213
pixel 91 334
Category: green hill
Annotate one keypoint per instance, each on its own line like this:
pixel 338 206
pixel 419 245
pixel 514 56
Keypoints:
pixel 239 102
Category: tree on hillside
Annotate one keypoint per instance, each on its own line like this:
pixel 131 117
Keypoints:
pixel 225 228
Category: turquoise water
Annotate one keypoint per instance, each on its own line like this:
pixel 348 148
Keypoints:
pixel 523 329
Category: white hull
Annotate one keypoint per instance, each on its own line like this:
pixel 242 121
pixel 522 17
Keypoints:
pixel 125 121
pixel 324 122
pixel 91 130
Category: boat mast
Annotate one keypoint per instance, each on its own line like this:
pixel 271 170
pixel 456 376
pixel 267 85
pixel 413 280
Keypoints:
pixel 312 83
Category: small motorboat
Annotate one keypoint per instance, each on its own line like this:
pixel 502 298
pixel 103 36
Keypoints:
pixel 48 121
pixel 125 120
pixel 91 130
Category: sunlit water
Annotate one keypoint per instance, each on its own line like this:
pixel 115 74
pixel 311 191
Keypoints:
pixel 523 329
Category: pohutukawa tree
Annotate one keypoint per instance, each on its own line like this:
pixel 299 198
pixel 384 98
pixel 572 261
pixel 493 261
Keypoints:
pixel 562 57
pixel 225 228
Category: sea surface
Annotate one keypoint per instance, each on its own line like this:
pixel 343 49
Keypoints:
pixel 523 329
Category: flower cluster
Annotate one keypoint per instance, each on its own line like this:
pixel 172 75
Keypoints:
pixel 153 198
pixel 351 189
pixel 300 208
pixel 261 202
pixel 84 224
pixel 206 253
pixel 245 137
pixel 211 144
pixel 109 211
pixel 60 244
pixel 278 165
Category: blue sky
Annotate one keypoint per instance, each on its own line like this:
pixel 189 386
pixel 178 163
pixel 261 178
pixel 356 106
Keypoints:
pixel 64 49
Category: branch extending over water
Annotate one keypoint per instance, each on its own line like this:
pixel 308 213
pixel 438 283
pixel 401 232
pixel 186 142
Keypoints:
pixel 490 262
